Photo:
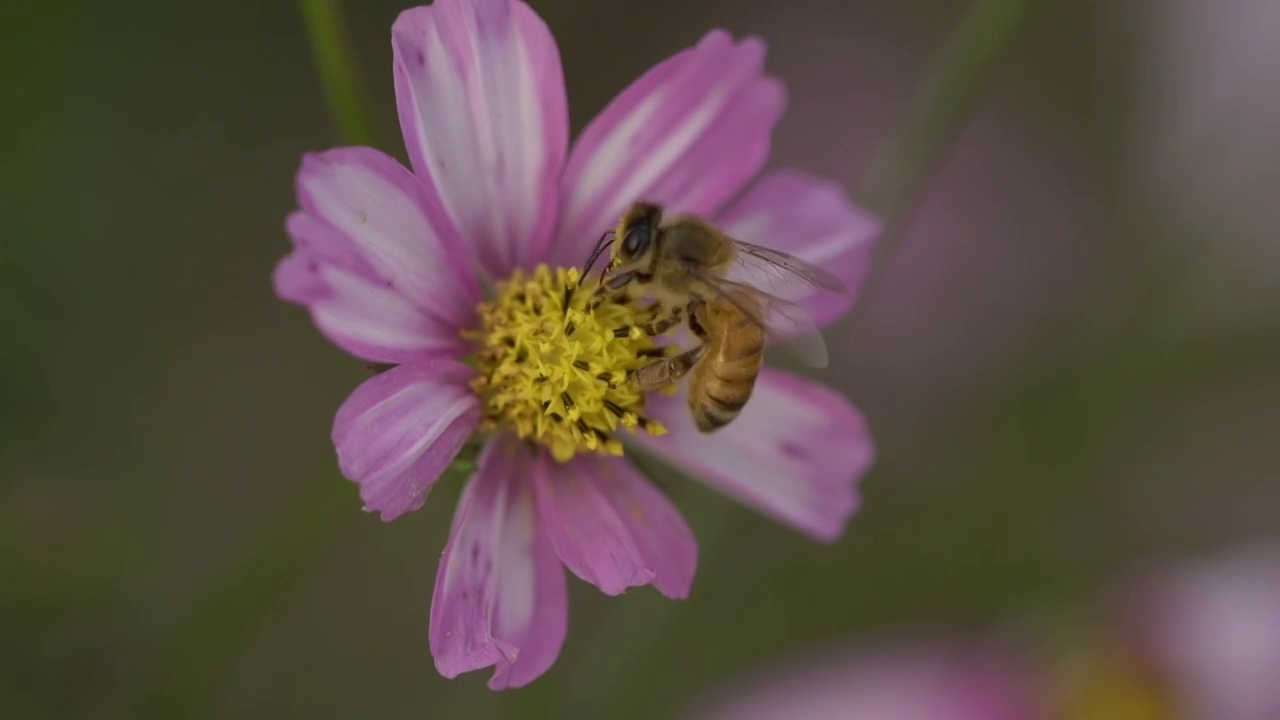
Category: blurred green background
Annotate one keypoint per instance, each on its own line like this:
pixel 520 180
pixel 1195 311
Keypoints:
pixel 1069 357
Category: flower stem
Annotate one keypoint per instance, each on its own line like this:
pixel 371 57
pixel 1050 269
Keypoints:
pixel 336 65
pixel 940 108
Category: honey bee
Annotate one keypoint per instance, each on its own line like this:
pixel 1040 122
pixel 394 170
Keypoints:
pixel 692 270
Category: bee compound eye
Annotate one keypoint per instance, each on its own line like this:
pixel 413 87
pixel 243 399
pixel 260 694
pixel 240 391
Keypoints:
pixel 637 239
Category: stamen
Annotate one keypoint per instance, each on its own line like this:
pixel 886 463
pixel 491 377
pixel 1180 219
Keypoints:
pixel 568 293
pixel 553 373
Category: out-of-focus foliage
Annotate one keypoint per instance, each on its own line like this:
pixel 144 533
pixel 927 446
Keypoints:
pixel 1070 360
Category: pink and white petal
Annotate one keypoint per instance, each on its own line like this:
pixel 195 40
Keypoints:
pixel 360 316
pixel 387 228
pixel 814 220
pixel 796 453
pixel 689 134
pixel 500 597
pixel 400 429
pixel 614 529
pixel 482 106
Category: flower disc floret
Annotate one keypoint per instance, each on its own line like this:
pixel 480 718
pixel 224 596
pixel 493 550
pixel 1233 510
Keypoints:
pixel 558 375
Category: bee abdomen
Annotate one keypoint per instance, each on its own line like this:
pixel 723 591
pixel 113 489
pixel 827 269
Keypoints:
pixel 709 419
pixel 718 404
pixel 731 403
pixel 753 350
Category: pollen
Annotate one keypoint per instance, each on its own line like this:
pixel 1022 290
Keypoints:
pixel 556 374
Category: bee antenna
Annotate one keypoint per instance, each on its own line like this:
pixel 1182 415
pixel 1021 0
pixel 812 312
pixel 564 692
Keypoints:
pixel 601 245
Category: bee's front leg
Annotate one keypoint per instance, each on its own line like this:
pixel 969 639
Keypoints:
pixel 613 288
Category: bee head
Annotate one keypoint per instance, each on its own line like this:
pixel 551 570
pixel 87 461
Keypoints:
pixel 636 232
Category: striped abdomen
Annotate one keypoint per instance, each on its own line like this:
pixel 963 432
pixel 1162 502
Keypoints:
pixel 723 380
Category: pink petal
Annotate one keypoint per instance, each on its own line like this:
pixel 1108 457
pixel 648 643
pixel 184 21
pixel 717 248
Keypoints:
pixel 796 453
pixel 814 220
pixel 383 277
pixel 483 110
pixel 500 597
pixel 614 529
pixel 400 429
pixel 1214 626
pixel 883 683
pixel 689 134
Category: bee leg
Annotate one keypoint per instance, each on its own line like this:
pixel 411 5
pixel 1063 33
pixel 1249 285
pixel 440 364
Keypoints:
pixel 696 310
pixel 662 324
pixel 616 284
pixel 668 371
pixel 599 296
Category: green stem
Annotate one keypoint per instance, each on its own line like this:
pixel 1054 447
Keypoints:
pixel 193 666
pixel 339 74
pixel 941 107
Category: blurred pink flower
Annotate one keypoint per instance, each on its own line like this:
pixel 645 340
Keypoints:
pixel 1213 630
pixel 391 265
pixel 908 683
pixel 1199 642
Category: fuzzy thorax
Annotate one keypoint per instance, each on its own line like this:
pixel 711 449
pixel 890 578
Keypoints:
pixel 557 377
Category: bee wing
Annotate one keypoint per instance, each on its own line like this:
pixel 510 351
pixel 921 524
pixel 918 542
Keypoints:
pixel 766 268
pixel 791 328
pixel 785 323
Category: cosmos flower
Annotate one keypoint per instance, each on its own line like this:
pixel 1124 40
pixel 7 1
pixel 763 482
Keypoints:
pixel 1196 641
pixel 909 682
pixel 1212 630
pixel 456 273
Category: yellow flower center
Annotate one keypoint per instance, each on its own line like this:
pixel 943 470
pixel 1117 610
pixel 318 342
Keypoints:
pixel 557 375
pixel 1107 683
